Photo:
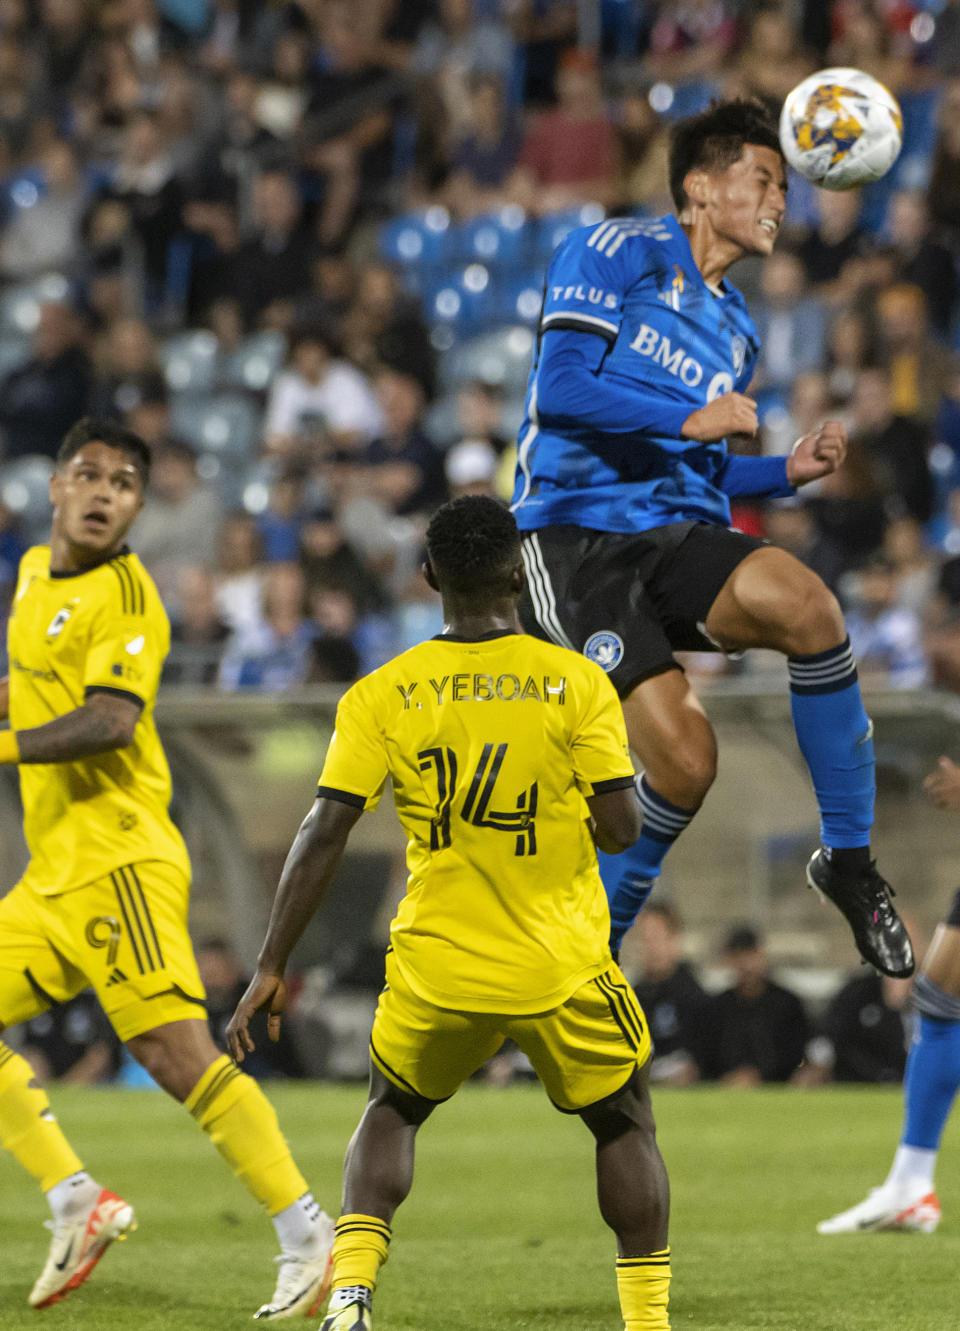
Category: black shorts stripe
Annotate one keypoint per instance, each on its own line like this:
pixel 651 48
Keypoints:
pixel 624 1029
pixel 394 1076
pixel 626 1018
pixel 6 1053
pixel 630 1003
pixel 135 911
pixel 124 595
pixel 126 920
pixel 149 918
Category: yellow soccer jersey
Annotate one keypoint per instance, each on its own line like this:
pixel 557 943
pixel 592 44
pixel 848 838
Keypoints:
pixel 491 747
pixel 69 635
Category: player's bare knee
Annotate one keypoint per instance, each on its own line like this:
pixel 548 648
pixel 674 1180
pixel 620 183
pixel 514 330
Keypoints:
pixel 413 1109
pixel 815 621
pixel 692 771
pixel 629 1110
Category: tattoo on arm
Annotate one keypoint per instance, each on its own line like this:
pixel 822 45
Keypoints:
pixel 102 724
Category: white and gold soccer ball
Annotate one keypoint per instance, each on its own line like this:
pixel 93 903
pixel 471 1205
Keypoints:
pixel 841 128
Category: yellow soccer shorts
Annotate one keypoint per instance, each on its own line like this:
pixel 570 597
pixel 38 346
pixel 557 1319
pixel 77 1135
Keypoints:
pixel 125 934
pixel 582 1051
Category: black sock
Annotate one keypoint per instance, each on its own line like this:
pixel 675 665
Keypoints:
pixel 849 860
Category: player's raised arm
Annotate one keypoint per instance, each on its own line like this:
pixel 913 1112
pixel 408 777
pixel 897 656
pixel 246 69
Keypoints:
pixel 105 722
pixel 307 874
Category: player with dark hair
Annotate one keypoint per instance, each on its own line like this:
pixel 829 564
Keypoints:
pixel 503 752
pixel 623 496
pixel 103 900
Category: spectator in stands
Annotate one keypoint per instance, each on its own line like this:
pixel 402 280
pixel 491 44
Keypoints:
pixel 282 95
pixel 150 416
pixel 569 153
pixel 470 468
pixel 545 31
pixel 281 521
pixel 180 519
pixel 403 469
pixel 198 634
pixel 349 124
pixel 383 326
pixel 848 351
pixel 319 401
pixel 44 237
pixel 849 518
pixel 895 443
pixel 691 41
pixel 333 285
pixel 128 371
pixel 790 324
pixel 224 980
pixel 865 41
pixel 273 654
pixel 757 1029
pixel 772 60
pixel 241 147
pixel 642 147
pixel 484 151
pixel 40 402
pixel 916 570
pixel 838 237
pixel 921 368
pixel 887 638
pixel 923 261
pixel 943 190
pixel 272 268
pixel 863 1035
pixel 73 1043
pixel 675 1004
pixel 239 572
pixel 329 560
pixel 454 49
pixel 346 644
pixel 145 183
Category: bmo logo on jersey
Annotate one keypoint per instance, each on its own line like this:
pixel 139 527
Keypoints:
pixel 676 361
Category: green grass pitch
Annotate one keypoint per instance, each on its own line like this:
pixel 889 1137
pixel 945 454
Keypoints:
pixel 501 1231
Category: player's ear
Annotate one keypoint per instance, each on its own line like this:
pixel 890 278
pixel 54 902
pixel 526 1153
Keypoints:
pixel 696 186
pixel 518 579
pixel 427 570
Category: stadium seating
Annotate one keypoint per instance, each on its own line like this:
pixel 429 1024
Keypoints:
pixel 227 425
pixel 189 362
pixel 25 491
pixel 20 303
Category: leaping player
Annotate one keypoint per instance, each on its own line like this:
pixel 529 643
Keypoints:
pixel 623 493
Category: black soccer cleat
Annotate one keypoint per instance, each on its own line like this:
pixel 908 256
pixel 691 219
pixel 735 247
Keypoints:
pixel 864 898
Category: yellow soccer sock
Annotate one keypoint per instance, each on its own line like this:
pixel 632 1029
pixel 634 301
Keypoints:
pixel 359 1250
pixel 27 1127
pixel 242 1124
pixel 643 1284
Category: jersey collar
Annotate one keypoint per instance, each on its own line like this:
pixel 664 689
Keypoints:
pixel 80 572
pixel 484 637
pixel 673 224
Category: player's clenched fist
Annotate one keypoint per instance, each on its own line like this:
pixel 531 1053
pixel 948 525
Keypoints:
pixel 731 414
pixel 818 454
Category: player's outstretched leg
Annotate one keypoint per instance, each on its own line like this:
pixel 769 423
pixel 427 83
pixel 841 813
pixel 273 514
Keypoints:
pixel 907 1198
pixel 634 1195
pixel 378 1172
pixel 242 1124
pixel 87 1218
pixel 772 600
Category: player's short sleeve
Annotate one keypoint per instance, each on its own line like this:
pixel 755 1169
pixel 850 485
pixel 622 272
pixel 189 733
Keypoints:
pixel 587 281
pixel 355 768
pixel 128 644
pixel 599 747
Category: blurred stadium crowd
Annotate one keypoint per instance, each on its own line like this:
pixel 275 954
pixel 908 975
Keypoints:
pixel 299 246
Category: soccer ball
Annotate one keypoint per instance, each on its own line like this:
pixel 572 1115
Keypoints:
pixel 841 128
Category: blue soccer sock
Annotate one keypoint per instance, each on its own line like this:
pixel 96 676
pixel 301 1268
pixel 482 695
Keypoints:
pixel 629 878
pixel 930 1082
pixel 836 738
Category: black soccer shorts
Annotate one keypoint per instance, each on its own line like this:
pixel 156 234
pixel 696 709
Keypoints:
pixel 628 602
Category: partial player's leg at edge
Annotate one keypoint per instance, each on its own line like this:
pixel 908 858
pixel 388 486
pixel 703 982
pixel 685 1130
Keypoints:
pixel 907 1199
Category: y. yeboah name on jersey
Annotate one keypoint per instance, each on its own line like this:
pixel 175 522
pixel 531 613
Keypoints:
pixel 463 687
pixel 607 453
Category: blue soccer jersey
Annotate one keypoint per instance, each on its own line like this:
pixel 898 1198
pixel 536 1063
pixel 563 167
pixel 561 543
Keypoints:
pixel 668 345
